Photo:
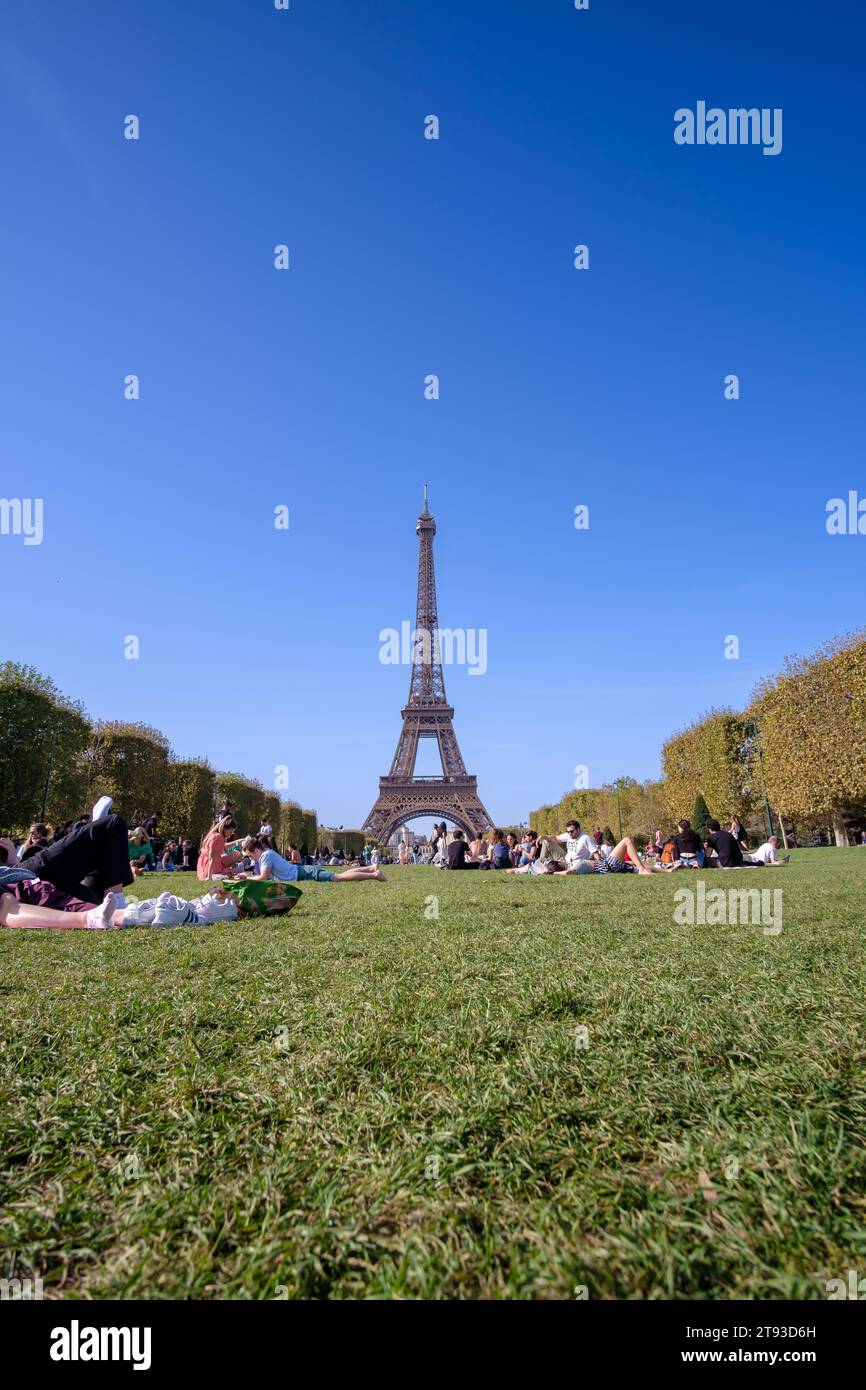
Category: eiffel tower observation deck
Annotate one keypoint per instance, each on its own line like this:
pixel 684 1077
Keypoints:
pixel 426 714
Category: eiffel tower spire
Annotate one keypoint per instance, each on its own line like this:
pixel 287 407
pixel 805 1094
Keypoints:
pixel 426 714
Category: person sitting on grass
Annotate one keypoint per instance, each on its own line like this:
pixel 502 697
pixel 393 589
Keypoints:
pixel 38 837
pixel 458 853
pixel 689 846
pixel 188 855
pixel 219 853
pixel 726 846
pixel 498 851
pixel 168 856
pixel 578 845
pixel 139 849
pixel 528 847
pixel 656 845
pixel 479 848
pixel 271 865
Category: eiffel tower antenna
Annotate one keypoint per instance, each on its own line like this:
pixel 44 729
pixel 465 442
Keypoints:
pixel 426 714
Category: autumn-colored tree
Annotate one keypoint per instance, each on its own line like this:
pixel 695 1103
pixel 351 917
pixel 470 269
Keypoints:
pixel 811 722
pixel 642 805
pixel 709 759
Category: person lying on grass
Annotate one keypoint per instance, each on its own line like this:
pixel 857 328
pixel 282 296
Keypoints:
pixel 767 854
pixel 600 862
pixel 90 861
pixel 271 865
pixel 21 905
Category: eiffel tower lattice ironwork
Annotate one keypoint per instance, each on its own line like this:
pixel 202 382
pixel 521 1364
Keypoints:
pixel 427 714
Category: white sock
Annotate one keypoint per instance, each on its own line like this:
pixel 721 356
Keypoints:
pixel 100 918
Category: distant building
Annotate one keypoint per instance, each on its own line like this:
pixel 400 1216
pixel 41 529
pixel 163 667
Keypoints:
pixel 406 837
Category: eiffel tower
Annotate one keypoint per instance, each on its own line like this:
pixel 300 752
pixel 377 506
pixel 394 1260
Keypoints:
pixel 427 714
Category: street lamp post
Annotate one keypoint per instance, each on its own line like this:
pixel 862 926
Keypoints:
pixel 48 774
pixel 618 785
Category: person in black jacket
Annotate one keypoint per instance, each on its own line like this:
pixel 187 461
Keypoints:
pixel 725 845
pixel 457 852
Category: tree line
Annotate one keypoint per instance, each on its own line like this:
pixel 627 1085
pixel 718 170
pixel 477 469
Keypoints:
pixel 55 761
pixel 797 753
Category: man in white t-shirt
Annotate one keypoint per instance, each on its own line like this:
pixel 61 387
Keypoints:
pixel 578 845
pixel 767 854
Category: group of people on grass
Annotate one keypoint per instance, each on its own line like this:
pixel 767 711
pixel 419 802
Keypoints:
pixel 78 880
pixel 225 855
pixel 577 852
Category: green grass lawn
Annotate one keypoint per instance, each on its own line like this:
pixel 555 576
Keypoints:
pixel 360 1100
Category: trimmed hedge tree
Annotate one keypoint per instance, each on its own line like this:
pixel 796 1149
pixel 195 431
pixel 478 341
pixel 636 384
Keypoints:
pixel 812 729
pixel 187 811
pixel 247 796
pixel 709 759
pixel 42 740
pixel 129 762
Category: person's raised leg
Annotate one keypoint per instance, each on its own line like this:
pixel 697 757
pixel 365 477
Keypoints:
pixel 628 844
pixel 110 871
pixel 89 861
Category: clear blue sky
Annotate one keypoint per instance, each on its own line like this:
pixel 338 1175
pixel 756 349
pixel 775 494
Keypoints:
pixel 410 257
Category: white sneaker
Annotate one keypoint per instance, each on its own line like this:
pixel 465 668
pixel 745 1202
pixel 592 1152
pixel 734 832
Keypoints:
pixel 102 918
pixel 209 909
pixel 140 914
pixel 172 911
pixel 101 809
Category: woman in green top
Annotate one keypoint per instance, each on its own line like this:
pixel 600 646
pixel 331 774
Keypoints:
pixel 140 850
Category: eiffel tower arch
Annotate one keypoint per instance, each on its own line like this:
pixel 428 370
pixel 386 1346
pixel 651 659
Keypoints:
pixel 426 714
